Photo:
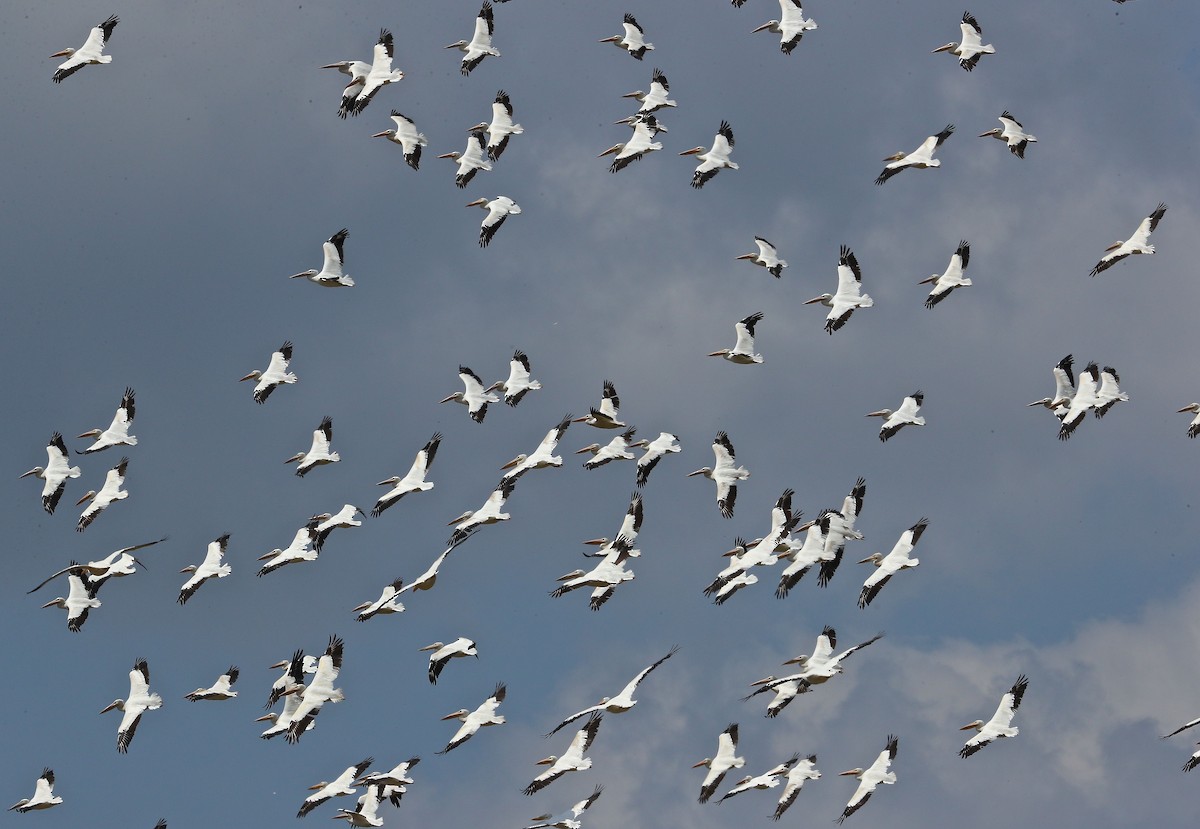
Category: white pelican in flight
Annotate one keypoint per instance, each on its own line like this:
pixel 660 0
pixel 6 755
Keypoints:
pixel 879 772
pixel 1085 398
pixel 444 652
pixel 743 349
pixel 365 812
pixel 330 275
pixel 222 689
pixel 473 395
pixel 518 382
pixel 645 127
pixel 490 513
pixel 318 454
pixel 428 579
pixel 570 819
pixel 413 480
pixel 1064 388
pixel 767 257
pixel 606 416
pixel 117 434
pixel 1012 133
pixel 972 48
pixel 471 160
pixel 631 525
pixel 543 456
pixel 91 51
pixel 786 689
pixel 725 759
pixel 79 600
pixel 405 135
pixel 300 549
pixel 767 780
pixel 806 769
pixel 1000 725
pixel 1109 394
pixel 623 701
pixel 397 776
pixel 357 70
pixel 117 563
pixel 1139 242
pixel 480 44
pixel 340 786
pixel 212 567
pixel 952 278
pixel 656 98
pixel 790 26
pixel 921 157
pixel 1194 426
pixel 55 473
pixel 802 556
pixel 43 795
pixel 634 39
pixel 319 690
pixel 292 678
pixel 388 602
pixel 906 415
pixel 572 760
pixel 381 73
pixel 895 561
pixel 616 449
pixel 499 209
pixel 140 700
pixel 501 126
pixel 343 519
pixel 823 664
pixel 849 292
pixel 662 445
pixel 716 158
pixel 606 575
pixel 472 721
pixel 841 528
pixel 109 492
pixel 276 374
pixel 724 473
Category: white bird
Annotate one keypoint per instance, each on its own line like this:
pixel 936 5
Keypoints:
pixel 406 136
pixel 569 819
pixel 725 759
pixel 110 491
pixel 319 690
pixel 343 519
pixel 428 579
pixel 804 555
pixel 895 561
pixel 55 473
pixel 471 160
pixel 724 473
pixel 413 480
pixel 340 786
pixel 785 688
pixel 823 664
pixel 717 157
pixel 952 278
pixel 743 349
pixel 480 44
pixel 211 567
pixel 276 374
pixel 906 415
pixel 518 382
pixel 381 73
pixel 1064 388
pixel 606 416
pixel 300 549
pixel 542 457
pixel 869 779
pixel 840 529
pixel 499 209
pixel 623 701
pixel 118 563
pixel 484 715
pixel 357 70
pixel 921 157
pixel 1138 243
pixel 606 575
pixel 365 813
pixel 1011 133
pixel 1194 426
pixel 79 600
pixel 91 51
pixel 616 449
pixel 767 780
pixel 396 777
pixel 117 434
pixel 330 275
pixel 806 769
pixel 43 795
pixel 764 551
pixel 444 652
pixel 849 292
pixel 501 126
pixel 971 48
pixel 388 602
pixel 645 128
pixel 633 40
pixel 767 256
pixel 571 760
pixel 1084 399
pixel 631 525
pixel 656 98
pixel 1109 393
pixel 1000 725
pixel 474 396
pixel 292 678
pixel 490 513
pixel 790 26
pixel 318 454
pixel 662 445
pixel 139 701
pixel 222 689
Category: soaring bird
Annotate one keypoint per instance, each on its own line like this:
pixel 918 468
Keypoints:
pixel 1194 426
pixel 110 491
pixel 972 47
pixel 343 519
pixel 664 444
pixel 572 760
pixel 605 576
pixel 1109 394
pixel 951 278
pixel 357 71
pixel 473 395
pixel 1084 399
pixel 840 529
pixel 617 449
pixel 117 434
pixel 1012 133
pixel 790 26
pixel 633 40
pixel 319 690
pixel 823 664
pixel 725 759
pixel 444 652
pixel 543 456
pixel 895 561
pixel 91 51
pixel 470 521
pixel 1000 725
pixel 330 275
pixel 906 415
pixel 1064 388
pixel 211 567
pixel 623 701
pixel 518 382
pixel 849 292
pixel 387 603
pixel 276 374
pixel 405 135
pixel 55 473
pixel 656 98
pixel 743 348
pixel 499 209
pixel 805 769
pixel 921 157
pixel 480 44
pixel 767 257
pixel 396 777
pixel 868 779
pixel 43 795
pixel 570 819
pixel 365 813
pixel 471 160
pixel 318 453
pixel 381 73
pixel 222 689
pixel 645 128
pixel 413 480
pixel 500 127
pixel 79 600
pixel 1138 243
pixel 606 416
pixel 338 787
pixel 717 157
pixel 484 715
pixel 724 473
pixel 767 780
pixel 301 549
pixel 139 701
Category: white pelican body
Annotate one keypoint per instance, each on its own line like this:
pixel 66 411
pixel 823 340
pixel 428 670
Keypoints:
pixel 499 209
pixel 1138 243
pixel 1000 725
pixel 570 819
pixel 790 26
pixel 443 653
pixel 490 513
pixel 972 47
pixel 55 473
pixel 725 759
pixel 80 599
pixel 868 780
pixel 381 73
pixel 634 39
pixel 572 760
pixel 396 777
pixel 340 786
pixel 743 349
pixel 480 44
pixel 405 135
pixel 471 160
pixel 276 374
pixel 222 689
pixel 413 480
pixel 717 157
pixel 824 664
pixel 725 473
pixel 357 70
pixel 92 51
pixel 518 382
pixel 840 529
pixel 1109 394
pixel 1064 389
pixel 111 491
pixel 117 434
pixel 1194 426
pixel 610 572
pixel 330 275
pixel 343 519
pixel 43 795
pixel 301 549
pixel 656 98
pixel 906 415
pixel 616 449
pixel 1012 133
pixel 952 278
pixel 849 292
pixel 767 780
pixel 319 453
pixel 785 688
pixel 895 561
pixel 140 700
pixel 606 416
pixel 645 128
pixel 365 813
pixel 656 449
pixel 319 690
pixel 803 556
pixel 767 256
pixel 805 769
pixel 921 157
pixel 472 721
pixel 1085 398
pixel 387 603
pixel 211 568
pixel 623 701
pixel 501 126
pixel 543 456
pixel 473 395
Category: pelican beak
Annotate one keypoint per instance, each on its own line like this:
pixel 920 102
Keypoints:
pixel 854 772
pixel 612 39
pixel 814 300
pixel 110 706
pixel 37 469
pixel 596 542
pixel 745 256
pixel 763 681
pixel 361 607
pixel 476 203
pixel 1113 246
pixel 448 155
pixel 331 66
pixel 761 28
pixel 271 717
pixel 50 604
pixel 299 456
pixel 630 95
pixel 384 134
pixel 970 726
pixel 693 151
pixel 721 353
pixel 545 761
pixel 264 557
pixel 701 763
pixel 867 560
pixel 945 48
pixel 432 647
pixel 64 53
pixel 512 463
pixel 90 495
pixel 932 278
pixel 697 472
pixel 91 433
pixel 191 568
pixel 452 716
pixel 462 517
pixel 451 397
pixel 317 787
pixel 283 663
pixel 251 376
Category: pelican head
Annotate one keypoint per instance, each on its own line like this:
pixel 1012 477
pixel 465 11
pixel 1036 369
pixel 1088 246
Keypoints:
pixel 573 574
pixel 65 53
pixel 852 772
pixel 299 456
pixel 704 470
pixel 693 151
pixel 874 558
pixel 615 148
pixel 341 64
pixel 996 133
pixel 302 275
pixel 458 44
pixel 1190 407
pixel 519 459
pixel 37 470
pixel 254 375
pixel 591 447
pixel 481 202
pixel 896 156
pixel 460 714
pixel 880 413
pixel 723 352
pixel 462 517
pixel 432 647
pixel 453 156
pixel 764 680
pixel 95 433
pixel 547 761
pixel 89 495
pixel 119 704
pixel 707 761
pixel 272 717
pixel 395 479
pixel 824 299
pixel 482 125
pixel 59 602
pixel 772 25
pixel 975 724
pixel 949 47
pixel 264 557
pixel 384 134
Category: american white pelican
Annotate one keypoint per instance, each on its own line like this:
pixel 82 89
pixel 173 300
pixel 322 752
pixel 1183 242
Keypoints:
pixel 1085 398
pixel 804 555
pixel 318 454
pixel 785 688
pixel 895 561
pixel 725 759
pixel 211 567
pixel 319 690
pixel 480 44
pixel 428 579
pixel 570 819
pixel 330 275
pixel 79 600
pixel 1064 388
pixel 879 772
pixel 606 416
pixel 340 786
pixel 906 415
pixel 634 39
pixel 972 48
pixel 490 513
pixel 276 374
pixel 343 519
pixel 405 135
pixel 484 715
pixel 656 98
pixel 952 278
pixel 823 664
pixel 388 602
pixel 381 73
pixel 117 434
pixel 110 491
pixel 543 456
pixel 300 549
pixel 662 445
pixel 139 701
pixel 610 572
pixel 849 292
pixel 518 382
pixel 716 158
pixel 501 126
pixel 760 552
pixel 396 777
pixel 474 396
pixel 471 160
pixel 1000 725
pixel 118 563
pixel 767 780
pixel 767 256
pixel 55 473
pixel 222 689
pixel 790 26
pixel 292 678
pixel 1011 133
pixel 499 209
pixel 724 473
pixel 413 480
pixel 623 701
pixel 743 349
pixel 1109 394
pixel 91 51
pixel 645 127
pixel 444 652
pixel 1194 426
pixel 357 70
pixel 365 812
pixel 571 760
pixel 806 769
pixel 616 449
pixel 43 795
pixel 722 590
pixel 921 157
pixel 841 528
pixel 1139 242
pixel 631 525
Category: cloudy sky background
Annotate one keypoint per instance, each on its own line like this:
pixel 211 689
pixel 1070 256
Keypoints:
pixel 153 208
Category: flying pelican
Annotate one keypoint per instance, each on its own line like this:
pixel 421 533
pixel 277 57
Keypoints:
pixel 292 679
pixel 276 374
pixel 895 561
pixel 338 787
pixel 499 209
pixel 443 653
pixel 80 599
pixel 786 689
pixel 656 98
pixel 386 603
pixel 518 382
pixel 645 128
pixel 117 433
pixel 343 519
pixel 501 126
pixel 109 492
pixel 767 256
pixel 397 776
pixel 357 70
pixel 906 415
pixel 381 73
pixel 211 567
pixel 572 760
pixel 790 26
pixel 472 721
pixel 55 473
pixel 413 481
pixel 43 795
pixel 471 160
pixel 319 690
pixel 841 528
pixel 300 549
pixel 569 819
pixel 318 454
pixel 406 136
pixel 971 49
pixel 725 759
pixel 220 690
pixel 921 157
pixel 634 39
pixel 1139 242
pixel 474 396
pixel 117 563
pixel 879 772
pixel 365 812
pixel 716 158
pixel 610 572
pixel 543 456
pixel 330 275
pixel 1194 426
pixel 140 700
pixel 1000 725
pixel 743 349
pixel 428 579
pixel 849 292
pixel 1012 133
pixel 1064 388
pixel 616 449
pixel 655 450
pixel 806 769
pixel 1109 393
pixel 953 277
pixel 767 780
pixel 490 513
pixel 480 44
pixel 631 525
pixel 623 701
pixel 724 473
pixel 823 664
pixel 91 51
pixel 804 555
pixel 1085 398
pixel 606 416
pixel 760 552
